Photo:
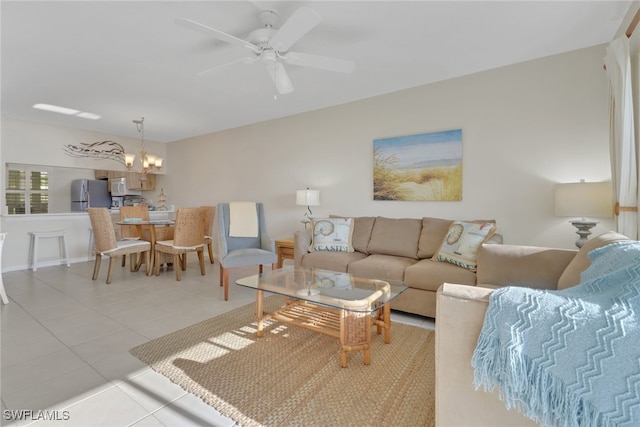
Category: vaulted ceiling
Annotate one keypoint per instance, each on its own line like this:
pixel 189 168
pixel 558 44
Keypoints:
pixel 126 59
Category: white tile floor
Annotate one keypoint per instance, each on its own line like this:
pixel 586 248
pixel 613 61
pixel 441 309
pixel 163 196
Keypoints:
pixel 65 343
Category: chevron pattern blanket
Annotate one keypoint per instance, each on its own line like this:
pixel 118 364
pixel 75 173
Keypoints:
pixel 570 357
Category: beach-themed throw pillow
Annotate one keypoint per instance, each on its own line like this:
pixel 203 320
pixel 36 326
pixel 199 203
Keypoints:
pixel 332 234
pixel 460 245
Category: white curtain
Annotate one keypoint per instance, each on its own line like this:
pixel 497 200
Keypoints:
pixel 622 136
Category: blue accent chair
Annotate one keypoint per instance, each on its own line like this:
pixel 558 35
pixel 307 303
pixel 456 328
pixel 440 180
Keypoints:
pixel 242 251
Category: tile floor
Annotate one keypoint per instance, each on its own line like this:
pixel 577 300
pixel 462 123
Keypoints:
pixel 65 343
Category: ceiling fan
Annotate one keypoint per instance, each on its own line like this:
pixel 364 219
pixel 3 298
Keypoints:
pixel 271 46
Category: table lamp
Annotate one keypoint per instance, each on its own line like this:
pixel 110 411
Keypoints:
pixel 584 200
pixel 307 198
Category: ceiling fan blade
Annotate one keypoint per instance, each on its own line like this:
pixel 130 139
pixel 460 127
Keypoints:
pixel 299 24
pixel 321 62
pixel 246 60
pixel 280 77
pixel 221 35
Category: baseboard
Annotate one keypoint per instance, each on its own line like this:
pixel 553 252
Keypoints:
pixel 45 263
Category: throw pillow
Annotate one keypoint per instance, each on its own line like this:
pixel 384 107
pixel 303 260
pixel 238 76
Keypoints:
pixel 362 226
pixel 460 245
pixel 332 234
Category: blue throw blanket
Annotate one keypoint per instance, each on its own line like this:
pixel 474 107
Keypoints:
pixel 570 357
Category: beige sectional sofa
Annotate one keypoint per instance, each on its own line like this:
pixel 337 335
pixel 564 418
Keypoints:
pixel 397 249
pixel 461 310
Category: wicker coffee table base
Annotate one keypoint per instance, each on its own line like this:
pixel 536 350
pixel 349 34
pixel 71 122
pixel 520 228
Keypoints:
pixel 352 328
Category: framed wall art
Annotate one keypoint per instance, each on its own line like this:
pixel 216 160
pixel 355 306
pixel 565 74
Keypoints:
pixel 422 167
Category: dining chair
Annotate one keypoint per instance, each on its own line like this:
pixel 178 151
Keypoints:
pixel 210 213
pixel 130 232
pixel 106 244
pixel 161 233
pixel 247 244
pixel 188 236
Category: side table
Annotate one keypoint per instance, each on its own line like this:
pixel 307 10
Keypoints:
pixel 284 250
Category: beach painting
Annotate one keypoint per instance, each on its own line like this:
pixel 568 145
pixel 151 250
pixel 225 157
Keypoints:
pixel 424 167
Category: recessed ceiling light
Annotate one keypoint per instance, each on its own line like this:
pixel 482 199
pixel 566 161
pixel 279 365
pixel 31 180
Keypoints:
pixel 67 111
pixel 86 115
pixel 56 109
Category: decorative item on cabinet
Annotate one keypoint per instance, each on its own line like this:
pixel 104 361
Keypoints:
pixel 162 201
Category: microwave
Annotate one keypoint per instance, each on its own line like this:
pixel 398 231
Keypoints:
pixel 119 188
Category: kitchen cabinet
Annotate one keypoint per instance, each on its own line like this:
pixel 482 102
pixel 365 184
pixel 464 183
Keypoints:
pixel 133 180
pixel 149 183
pixel 101 174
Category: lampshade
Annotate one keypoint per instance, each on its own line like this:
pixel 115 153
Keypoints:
pixel 584 199
pixel 129 159
pixel 307 197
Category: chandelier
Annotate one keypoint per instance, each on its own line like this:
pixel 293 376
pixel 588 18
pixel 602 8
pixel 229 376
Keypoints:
pixel 148 161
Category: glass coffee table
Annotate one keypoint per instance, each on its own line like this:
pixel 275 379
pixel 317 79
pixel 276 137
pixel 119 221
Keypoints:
pixel 340 305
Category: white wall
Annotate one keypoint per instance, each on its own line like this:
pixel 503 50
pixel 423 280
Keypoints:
pixel 525 128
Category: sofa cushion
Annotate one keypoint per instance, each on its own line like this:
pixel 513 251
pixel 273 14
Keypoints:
pixel 362 226
pixel 331 234
pixel 433 233
pixel 428 275
pixel 571 275
pixel 336 261
pixel 395 236
pixel 461 244
pixel 381 267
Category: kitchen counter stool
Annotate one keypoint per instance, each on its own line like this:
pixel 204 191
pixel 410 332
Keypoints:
pixel 35 239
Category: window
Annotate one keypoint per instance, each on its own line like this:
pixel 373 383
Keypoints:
pixel 27 189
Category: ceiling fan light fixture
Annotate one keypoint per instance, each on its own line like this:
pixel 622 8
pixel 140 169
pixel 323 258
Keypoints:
pixel 284 86
pixel 268 56
pixel 271 46
pixel 280 78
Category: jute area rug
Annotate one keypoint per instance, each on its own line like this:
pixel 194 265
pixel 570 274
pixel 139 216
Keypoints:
pixel 292 377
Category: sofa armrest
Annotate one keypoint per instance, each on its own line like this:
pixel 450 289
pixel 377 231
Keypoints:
pixel 532 266
pixel 460 313
pixel 301 243
pixel 495 239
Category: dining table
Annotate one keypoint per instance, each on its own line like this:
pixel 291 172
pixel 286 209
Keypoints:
pixel 151 227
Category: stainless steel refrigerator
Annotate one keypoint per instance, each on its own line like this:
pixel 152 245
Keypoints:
pixel 89 193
